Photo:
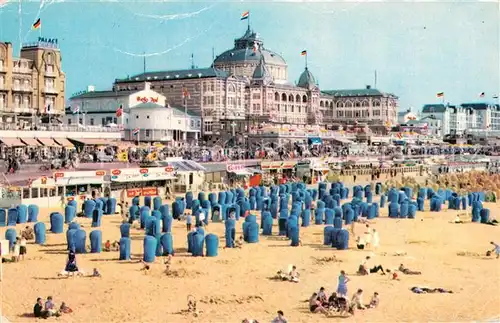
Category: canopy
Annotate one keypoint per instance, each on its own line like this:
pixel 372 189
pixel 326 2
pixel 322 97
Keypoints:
pixel 48 142
pixel 242 172
pixel 12 142
pixel 95 141
pixel 314 141
pixel 31 142
pixel 64 142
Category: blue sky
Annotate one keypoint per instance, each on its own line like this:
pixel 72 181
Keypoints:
pixel 418 49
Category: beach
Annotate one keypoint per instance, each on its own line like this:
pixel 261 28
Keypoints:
pixel 237 285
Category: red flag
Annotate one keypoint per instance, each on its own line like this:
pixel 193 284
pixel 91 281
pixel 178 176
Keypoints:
pixel 119 111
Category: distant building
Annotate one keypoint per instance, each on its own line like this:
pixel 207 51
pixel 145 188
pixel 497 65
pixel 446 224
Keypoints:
pixel 405 116
pixel 32 84
pixel 143 115
pixel 466 118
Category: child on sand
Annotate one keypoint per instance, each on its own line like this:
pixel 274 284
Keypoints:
pixel 374 301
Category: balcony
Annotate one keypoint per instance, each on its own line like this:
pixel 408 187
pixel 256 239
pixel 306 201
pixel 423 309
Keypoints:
pixel 23 89
pixel 50 90
pixel 50 73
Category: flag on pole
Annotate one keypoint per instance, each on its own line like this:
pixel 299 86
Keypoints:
pixel 440 94
pixel 303 53
pixel 119 111
pixel 37 24
pixel 186 94
pixel 245 15
pixel 481 95
pixel 135 132
pixel 76 109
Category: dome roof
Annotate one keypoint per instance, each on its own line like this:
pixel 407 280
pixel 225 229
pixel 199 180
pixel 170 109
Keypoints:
pixel 249 48
pixel 248 55
pixel 307 80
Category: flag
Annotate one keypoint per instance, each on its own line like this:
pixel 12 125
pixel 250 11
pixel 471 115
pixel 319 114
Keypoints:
pixel 119 111
pixel 245 15
pixel 76 110
pixel 440 94
pixel 37 24
pixel 481 95
pixel 303 53
pixel 135 132
pixel 186 94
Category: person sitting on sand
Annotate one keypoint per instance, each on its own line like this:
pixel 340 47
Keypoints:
pixel 315 305
pixel 293 275
pixel 360 242
pixel 71 266
pixel 50 307
pixel 96 273
pixel 65 309
pixel 357 300
pixel 322 298
pixel 146 267
pixel 115 246
pixel 280 318
pixel 496 249
pixel 28 233
pixel 393 274
pixel 38 310
pixel 281 275
pixel 107 246
pixel 374 301
pixel 363 268
pixel 239 242
pixel 407 271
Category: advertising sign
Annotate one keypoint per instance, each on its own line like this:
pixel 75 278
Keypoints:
pixel 142 174
pixel 145 191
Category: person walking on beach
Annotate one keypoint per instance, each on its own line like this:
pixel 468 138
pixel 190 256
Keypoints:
pixel 496 249
pixel 342 285
pixel 189 221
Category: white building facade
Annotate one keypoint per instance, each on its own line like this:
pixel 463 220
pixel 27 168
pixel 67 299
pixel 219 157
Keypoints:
pixel 143 116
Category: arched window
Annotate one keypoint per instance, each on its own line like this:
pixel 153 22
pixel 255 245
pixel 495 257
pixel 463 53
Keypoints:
pixel 283 97
pixel 331 104
pixel 376 103
pixel 321 104
pixel 348 104
pixel 231 88
pixel 297 98
pixel 364 103
pixel 340 104
pixel 357 104
pixel 290 98
pixel 304 98
pixel 276 96
pixel 50 58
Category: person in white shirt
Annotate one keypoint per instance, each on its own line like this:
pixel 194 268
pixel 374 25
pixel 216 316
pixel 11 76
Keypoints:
pixel 360 243
pixel 374 301
pixel 202 218
pixel 357 300
pixel 368 236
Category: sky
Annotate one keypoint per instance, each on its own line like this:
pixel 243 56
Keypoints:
pixel 417 48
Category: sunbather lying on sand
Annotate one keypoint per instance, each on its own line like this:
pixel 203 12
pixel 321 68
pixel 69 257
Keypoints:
pixel 407 271
pixel 426 290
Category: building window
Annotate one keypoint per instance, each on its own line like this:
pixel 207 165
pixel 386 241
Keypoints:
pixel 115 120
pixel 137 117
pixel 209 126
pixel 91 121
pixel 80 121
pixel 69 122
pixel 147 132
pixel 256 96
pixel 147 117
pixel 103 121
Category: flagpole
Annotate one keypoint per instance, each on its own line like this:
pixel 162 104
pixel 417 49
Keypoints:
pixel 248 20
pixel 306 59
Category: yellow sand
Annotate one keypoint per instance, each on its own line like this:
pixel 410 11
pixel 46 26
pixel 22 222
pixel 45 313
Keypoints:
pixel 236 284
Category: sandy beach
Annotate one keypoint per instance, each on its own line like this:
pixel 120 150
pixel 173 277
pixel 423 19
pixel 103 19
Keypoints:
pixel 237 285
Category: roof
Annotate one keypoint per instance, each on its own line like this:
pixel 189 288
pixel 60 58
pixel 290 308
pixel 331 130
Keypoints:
pixel 356 92
pixel 307 80
pixel 193 73
pixel 249 55
pixel 431 117
pixel 180 111
pixel 476 106
pixel 102 94
pixel 434 108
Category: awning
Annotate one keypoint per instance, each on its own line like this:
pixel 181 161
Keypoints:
pixel 314 141
pixel 12 142
pixel 48 142
pixel 242 172
pixel 64 142
pixel 95 141
pixel 31 142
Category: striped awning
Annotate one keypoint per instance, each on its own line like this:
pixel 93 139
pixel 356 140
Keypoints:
pixel 32 142
pixel 48 142
pixel 12 142
pixel 64 142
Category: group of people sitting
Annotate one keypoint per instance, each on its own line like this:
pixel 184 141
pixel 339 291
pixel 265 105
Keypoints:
pixel 337 303
pixel 370 239
pixel 292 275
pixel 41 310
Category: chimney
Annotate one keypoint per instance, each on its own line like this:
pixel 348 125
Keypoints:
pixel 90 88
pixel 368 87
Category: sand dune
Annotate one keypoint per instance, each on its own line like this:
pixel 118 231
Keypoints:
pixel 236 284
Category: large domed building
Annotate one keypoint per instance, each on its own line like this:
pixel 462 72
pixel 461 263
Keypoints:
pixel 248 85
